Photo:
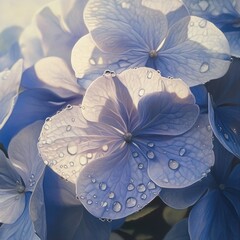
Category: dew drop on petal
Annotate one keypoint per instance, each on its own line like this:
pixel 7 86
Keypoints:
pixel 103 186
pixel 71 164
pixel 46 162
pixel 143 196
pixel 68 128
pixel 104 204
pixel 135 154
pixel 117 206
pixel 69 106
pixel 165 180
pixel 111 195
pixel 150 144
pixel 149 74
pixel 83 160
pixel 61 155
pixel 140 166
pixel 72 148
pixel 204 67
pixel 141 188
pixel 151 185
pixel 131 202
pixel 202 23
pixel 182 151
pixel 141 92
pixel 150 154
pixel 92 61
pixel 209 128
pixel 204 174
pixel 105 148
pixel 89 202
pixel 130 187
pixel 226 136
pixel 173 164
pixel 89 155
pixel 125 5
pixel 203 5
pixel 93 180
pixel 46 127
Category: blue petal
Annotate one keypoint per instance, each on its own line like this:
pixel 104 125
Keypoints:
pixel 165 113
pixel 179 231
pixel 10 82
pixel 20 229
pixel 125 25
pixel 184 197
pixel 32 105
pixel 117 185
pixel 179 161
pixel 11 201
pixel 212 218
pixel 179 56
pixel 201 95
pixel 233 39
pixel 24 155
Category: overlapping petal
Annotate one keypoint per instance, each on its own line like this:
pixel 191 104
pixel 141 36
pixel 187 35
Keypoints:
pixel 10 82
pixel 108 192
pixel 193 52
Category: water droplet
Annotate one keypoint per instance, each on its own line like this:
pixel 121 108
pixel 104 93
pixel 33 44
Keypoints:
pixel 130 187
pixel 54 162
pixel 208 170
pixel 72 148
pixel 202 23
pixel 153 53
pixel 234 130
pixel 92 61
pixel 105 148
pixel 141 188
pixel 125 5
pixel 165 180
pixel 103 186
pixel 111 195
pixel 69 106
pixel 173 164
pixel 117 206
pixel 151 185
pixel 131 202
pixel 46 127
pixel 83 160
pixel 203 5
pixel 104 204
pixel 204 174
pixel 113 74
pixel 46 162
pixel 140 166
pixel 89 202
pixel 151 144
pixel 182 151
pixel 141 92
pixel 73 119
pixel 204 67
pixel 65 166
pixel 71 164
pixel 191 24
pixel 226 136
pixel 135 154
pixel 32 176
pixel 209 128
pixel 107 72
pixel 143 196
pixel 89 155
pixel 150 154
pixel 61 155
pixel 149 74
pixel 94 196
pixel 93 180
pixel 68 128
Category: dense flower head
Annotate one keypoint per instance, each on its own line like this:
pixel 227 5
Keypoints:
pixel 132 132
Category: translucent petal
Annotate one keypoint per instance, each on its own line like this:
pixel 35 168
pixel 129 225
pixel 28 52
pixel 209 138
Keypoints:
pixel 165 113
pixel 37 209
pixel 67 142
pixel 206 221
pixel 20 229
pixel 179 161
pixel 184 197
pixel 125 25
pixel 116 185
pixel 174 10
pixel 107 100
pixel 234 179
pixel 32 105
pixel 234 42
pixel 24 155
pixel 10 81
pixel 201 95
pixel 90 62
pixel 11 201
pixel 179 56
pixel 179 231
pixel 55 75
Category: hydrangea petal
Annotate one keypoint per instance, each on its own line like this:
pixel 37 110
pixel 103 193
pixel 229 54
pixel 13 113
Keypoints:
pixel 234 42
pixel 179 161
pixel 124 25
pixel 234 179
pixel 116 185
pixel 56 76
pixel 165 113
pixel 215 224
pixel 24 155
pixel 11 201
pixel 179 231
pixel 201 95
pixel 10 81
pixel 179 56
pixel 20 229
pixel 184 197
pixel 67 143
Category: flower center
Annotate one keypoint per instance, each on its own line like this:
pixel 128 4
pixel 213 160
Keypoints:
pixel 127 137
pixel 153 53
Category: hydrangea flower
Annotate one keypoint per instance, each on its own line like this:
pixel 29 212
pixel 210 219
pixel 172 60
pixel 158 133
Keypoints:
pixel 10 82
pixel 133 131
pixel 21 202
pixel 224 108
pixel 224 14
pixel 215 214
pixel 157 34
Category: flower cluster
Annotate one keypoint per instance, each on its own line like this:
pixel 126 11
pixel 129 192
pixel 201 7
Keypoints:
pixel 111 107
